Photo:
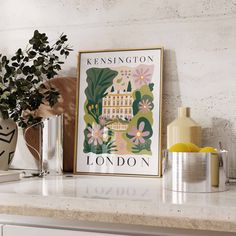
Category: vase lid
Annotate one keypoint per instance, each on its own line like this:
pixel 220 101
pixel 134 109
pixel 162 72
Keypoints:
pixel 183 111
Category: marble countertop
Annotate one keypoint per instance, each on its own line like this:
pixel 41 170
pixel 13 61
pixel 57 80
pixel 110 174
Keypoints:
pixel 137 201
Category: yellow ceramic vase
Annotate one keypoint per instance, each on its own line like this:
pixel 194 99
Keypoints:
pixel 183 129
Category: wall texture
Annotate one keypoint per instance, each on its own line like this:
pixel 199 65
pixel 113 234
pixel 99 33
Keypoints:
pixel 198 36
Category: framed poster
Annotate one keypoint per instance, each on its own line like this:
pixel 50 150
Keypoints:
pixel 119 112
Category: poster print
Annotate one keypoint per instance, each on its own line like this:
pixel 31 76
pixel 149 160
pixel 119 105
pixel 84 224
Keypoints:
pixel 119 112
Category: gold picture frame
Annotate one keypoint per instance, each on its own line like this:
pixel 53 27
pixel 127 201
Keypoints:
pixel 118 112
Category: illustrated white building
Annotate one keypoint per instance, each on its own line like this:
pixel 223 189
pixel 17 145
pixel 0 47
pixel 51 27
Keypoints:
pixel 118 105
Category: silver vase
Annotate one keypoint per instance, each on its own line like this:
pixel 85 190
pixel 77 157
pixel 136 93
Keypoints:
pixel 49 148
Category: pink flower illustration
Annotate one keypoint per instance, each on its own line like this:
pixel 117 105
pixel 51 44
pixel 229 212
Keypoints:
pixel 138 134
pixel 142 75
pixel 95 134
pixel 145 106
pixel 102 120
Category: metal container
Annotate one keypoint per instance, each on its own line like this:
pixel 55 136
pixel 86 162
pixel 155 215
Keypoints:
pixel 48 147
pixel 195 171
pixel 52 145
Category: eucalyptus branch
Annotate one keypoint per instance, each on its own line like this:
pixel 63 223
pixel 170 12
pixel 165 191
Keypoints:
pixel 26 76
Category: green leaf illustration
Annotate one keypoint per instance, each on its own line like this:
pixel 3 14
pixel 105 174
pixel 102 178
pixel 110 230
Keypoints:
pixel 106 146
pixel 145 146
pixel 136 102
pixel 151 86
pixel 119 81
pixel 98 80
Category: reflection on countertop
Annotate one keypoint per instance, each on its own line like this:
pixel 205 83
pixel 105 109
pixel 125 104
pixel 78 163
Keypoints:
pixel 128 200
pixel 100 187
pixel 115 188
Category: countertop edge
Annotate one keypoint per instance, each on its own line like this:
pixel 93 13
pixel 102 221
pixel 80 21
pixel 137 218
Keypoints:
pixel 123 218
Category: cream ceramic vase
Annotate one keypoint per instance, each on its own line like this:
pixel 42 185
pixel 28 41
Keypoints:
pixel 183 129
pixel 8 139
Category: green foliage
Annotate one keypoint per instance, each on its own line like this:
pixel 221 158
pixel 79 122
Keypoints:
pixel 107 146
pixel 129 87
pixel 22 78
pixel 119 80
pixel 147 126
pixel 145 91
pixel 142 146
pixel 151 85
pixel 112 89
pixel 136 102
pixel 147 97
pixel 98 80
